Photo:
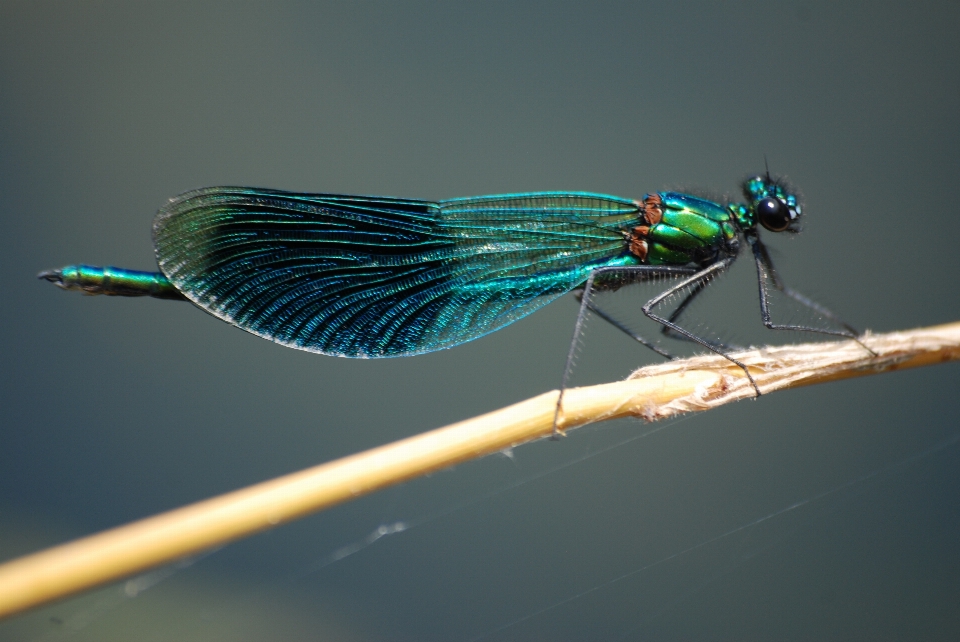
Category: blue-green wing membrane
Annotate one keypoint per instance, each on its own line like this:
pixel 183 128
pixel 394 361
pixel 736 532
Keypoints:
pixel 376 277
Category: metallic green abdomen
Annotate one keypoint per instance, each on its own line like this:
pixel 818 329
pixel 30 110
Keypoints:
pixel 112 281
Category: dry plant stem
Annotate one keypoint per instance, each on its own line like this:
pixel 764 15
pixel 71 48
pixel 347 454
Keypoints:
pixel 651 393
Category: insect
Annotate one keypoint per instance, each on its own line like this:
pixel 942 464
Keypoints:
pixel 359 276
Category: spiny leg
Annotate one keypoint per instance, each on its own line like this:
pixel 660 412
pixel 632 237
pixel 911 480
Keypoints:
pixel 668 332
pixel 765 268
pixel 701 276
pixel 587 305
pixel 606 316
pixel 578 326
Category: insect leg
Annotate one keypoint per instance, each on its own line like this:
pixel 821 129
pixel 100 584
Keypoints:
pixel 586 305
pixel 668 332
pixel 700 277
pixel 606 316
pixel 578 326
pixel 765 268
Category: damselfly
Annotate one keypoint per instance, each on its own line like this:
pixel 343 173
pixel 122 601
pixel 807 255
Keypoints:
pixel 359 276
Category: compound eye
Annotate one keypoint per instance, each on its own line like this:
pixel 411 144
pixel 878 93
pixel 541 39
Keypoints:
pixel 773 214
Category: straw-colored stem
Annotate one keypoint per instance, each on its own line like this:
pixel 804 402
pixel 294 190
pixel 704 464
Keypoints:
pixel 651 393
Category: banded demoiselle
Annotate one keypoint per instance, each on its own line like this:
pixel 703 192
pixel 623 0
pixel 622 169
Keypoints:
pixel 359 276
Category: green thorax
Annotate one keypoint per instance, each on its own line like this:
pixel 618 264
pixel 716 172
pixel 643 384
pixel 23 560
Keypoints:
pixel 680 229
pixel 677 229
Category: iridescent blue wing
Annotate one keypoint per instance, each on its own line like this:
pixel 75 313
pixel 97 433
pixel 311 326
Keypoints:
pixel 376 277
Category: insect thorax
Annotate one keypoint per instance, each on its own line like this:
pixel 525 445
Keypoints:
pixel 679 229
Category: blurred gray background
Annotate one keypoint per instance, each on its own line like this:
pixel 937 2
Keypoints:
pixel 824 513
